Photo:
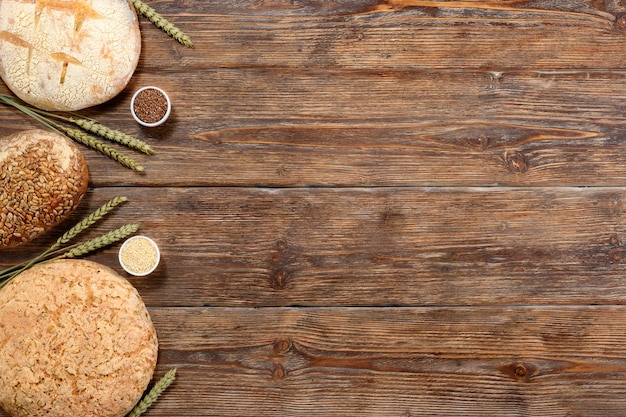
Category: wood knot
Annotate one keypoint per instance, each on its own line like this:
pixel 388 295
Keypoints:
pixel 616 256
pixel 278 279
pixel 620 21
pixel 211 137
pixel 279 372
pixel 515 162
pixel 274 258
pixel 481 142
pixel 281 251
pixel 282 346
pixel 281 245
pixel 519 370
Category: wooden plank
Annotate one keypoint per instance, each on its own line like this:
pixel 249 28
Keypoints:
pixel 373 246
pixel 391 122
pixel 415 129
pixel 516 361
pixel 395 34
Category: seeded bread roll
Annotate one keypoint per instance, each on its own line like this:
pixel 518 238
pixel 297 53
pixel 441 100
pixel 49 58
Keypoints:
pixel 68 55
pixel 43 177
pixel 76 339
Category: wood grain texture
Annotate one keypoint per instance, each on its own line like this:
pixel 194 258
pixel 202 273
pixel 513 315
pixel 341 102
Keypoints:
pixel 406 34
pixel 261 131
pixel 408 120
pixel 381 208
pixel 375 247
pixel 480 361
pixel 515 361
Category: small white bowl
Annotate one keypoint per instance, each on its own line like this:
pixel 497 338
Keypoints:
pixel 139 260
pixel 167 112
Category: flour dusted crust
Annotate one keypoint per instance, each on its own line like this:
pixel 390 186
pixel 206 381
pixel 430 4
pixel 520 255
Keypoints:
pixel 43 178
pixel 75 340
pixel 68 54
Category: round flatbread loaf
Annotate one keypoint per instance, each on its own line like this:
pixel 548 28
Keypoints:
pixel 75 340
pixel 43 178
pixel 68 55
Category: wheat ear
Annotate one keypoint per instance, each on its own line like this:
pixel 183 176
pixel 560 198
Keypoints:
pixel 101 241
pixel 93 143
pixel 162 23
pixel 112 134
pixel 89 220
pixel 154 394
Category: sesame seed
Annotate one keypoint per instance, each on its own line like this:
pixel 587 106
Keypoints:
pixel 139 255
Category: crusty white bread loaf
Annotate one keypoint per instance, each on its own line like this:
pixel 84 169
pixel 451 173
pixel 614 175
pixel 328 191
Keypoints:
pixel 70 54
pixel 76 340
pixel 43 178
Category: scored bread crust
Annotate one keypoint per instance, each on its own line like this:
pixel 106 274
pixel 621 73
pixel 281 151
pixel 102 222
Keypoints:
pixel 68 55
pixel 76 339
pixel 43 178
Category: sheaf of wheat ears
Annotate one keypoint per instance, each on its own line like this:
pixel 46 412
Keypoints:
pixel 80 249
pixel 92 126
pixel 65 238
pixel 77 250
pixel 162 23
pixel 75 134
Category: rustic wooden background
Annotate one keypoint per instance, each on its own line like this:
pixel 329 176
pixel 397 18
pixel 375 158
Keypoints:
pixel 380 207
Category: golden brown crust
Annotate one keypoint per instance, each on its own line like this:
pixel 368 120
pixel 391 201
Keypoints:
pixel 43 178
pixel 68 55
pixel 75 340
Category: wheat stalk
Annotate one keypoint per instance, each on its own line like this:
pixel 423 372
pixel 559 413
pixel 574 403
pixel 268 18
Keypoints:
pixel 162 23
pixel 154 394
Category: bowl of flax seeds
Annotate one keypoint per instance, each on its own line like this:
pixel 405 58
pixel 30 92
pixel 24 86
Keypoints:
pixel 150 106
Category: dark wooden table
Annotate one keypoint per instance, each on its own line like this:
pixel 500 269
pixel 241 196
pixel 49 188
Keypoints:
pixel 396 208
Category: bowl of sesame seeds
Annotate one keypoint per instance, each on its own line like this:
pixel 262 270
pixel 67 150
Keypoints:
pixel 150 106
pixel 139 255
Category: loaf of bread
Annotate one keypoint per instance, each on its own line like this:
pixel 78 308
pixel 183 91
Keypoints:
pixel 70 54
pixel 43 178
pixel 76 340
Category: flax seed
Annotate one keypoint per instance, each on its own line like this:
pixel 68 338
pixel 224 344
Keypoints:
pixel 150 105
